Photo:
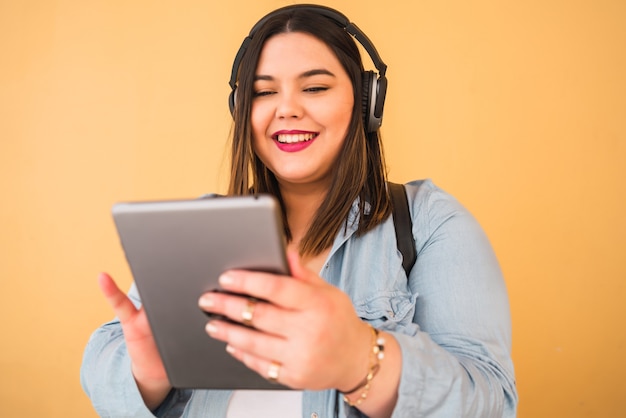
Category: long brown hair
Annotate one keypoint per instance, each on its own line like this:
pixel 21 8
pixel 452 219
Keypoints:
pixel 360 173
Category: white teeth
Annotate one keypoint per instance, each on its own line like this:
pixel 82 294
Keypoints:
pixel 291 139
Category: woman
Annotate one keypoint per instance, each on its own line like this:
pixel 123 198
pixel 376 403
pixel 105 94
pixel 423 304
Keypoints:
pixel 348 330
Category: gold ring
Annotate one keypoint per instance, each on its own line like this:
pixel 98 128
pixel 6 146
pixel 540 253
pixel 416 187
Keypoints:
pixel 273 371
pixel 248 312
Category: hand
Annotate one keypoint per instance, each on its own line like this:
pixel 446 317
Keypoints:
pixel 147 367
pixel 304 324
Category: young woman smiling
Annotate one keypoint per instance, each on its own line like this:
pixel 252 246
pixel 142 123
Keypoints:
pixel 347 331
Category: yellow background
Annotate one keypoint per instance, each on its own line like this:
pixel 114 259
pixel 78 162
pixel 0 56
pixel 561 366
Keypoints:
pixel 518 108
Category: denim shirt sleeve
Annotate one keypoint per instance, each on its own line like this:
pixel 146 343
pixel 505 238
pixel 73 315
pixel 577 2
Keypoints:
pixel 457 357
pixel 107 379
pixel 106 375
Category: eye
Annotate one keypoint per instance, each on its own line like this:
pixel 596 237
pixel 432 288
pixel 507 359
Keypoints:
pixel 262 93
pixel 315 89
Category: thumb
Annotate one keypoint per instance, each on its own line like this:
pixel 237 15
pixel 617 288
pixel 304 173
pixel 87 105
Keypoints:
pixel 298 270
pixel 121 304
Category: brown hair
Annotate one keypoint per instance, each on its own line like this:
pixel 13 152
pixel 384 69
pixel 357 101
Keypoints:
pixel 360 173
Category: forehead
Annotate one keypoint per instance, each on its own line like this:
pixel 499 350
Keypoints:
pixel 295 50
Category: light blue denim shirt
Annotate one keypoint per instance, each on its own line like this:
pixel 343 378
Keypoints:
pixel 451 319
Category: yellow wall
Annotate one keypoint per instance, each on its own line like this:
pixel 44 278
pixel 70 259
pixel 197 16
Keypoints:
pixel 516 108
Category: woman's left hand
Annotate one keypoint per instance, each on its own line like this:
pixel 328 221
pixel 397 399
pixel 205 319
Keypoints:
pixel 306 332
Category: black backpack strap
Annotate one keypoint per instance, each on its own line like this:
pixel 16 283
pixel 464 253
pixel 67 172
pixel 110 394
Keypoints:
pixel 403 225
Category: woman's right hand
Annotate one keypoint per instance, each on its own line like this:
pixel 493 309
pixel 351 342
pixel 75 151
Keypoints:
pixel 147 367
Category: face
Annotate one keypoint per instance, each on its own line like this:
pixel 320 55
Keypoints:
pixel 301 110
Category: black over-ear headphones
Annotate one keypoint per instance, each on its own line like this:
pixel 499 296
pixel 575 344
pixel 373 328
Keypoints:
pixel 374 85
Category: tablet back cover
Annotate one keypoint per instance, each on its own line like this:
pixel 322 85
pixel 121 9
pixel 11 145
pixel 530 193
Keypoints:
pixel 176 251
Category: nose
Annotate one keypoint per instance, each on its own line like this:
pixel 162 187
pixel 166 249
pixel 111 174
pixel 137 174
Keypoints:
pixel 289 106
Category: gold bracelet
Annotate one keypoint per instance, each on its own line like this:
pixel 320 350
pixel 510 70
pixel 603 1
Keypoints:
pixel 376 356
pixel 365 380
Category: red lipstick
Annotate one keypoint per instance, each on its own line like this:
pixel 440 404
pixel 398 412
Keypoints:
pixel 293 140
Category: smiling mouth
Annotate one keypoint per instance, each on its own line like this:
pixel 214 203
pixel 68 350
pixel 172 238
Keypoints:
pixel 294 138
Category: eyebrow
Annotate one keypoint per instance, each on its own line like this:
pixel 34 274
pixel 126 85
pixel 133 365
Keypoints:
pixel 306 74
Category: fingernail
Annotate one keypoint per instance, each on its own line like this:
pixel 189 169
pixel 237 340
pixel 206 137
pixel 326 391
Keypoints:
pixel 230 349
pixel 225 279
pixel 205 301
pixel 211 328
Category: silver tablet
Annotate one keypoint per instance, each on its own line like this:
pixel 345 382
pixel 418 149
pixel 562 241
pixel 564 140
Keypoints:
pixel 176 251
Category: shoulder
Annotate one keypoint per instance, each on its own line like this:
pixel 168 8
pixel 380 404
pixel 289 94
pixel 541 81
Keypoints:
pixel 426 199
pixel 436 213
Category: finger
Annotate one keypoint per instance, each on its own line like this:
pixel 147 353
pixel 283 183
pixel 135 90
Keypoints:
pixel 261 315
pixel 299 270
pixel 254 349
pixel 295 265
pixel 283 291
pixel 249 340
pixel 271 370
pixel 121 304
pixel 280 290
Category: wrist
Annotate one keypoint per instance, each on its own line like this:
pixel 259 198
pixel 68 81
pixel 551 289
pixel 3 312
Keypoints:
pixel 357 365
pixel 153 391
pixel 357 394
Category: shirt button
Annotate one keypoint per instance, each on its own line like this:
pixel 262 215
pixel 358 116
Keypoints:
pixel 391 314
pixel 314 415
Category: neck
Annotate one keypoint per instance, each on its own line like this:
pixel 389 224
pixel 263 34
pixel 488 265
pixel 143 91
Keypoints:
pixel 301 204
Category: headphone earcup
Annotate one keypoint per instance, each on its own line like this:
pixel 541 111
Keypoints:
pixel 366 98
pixel 381 94
pixel 231 101
pixel 373 100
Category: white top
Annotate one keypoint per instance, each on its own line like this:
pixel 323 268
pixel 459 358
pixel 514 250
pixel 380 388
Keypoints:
pixel 265 404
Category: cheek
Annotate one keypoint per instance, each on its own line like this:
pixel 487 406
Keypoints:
pixel 259 122
pixel 334 111
pixel 255 121
pixel 259 119
pixel 341 117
